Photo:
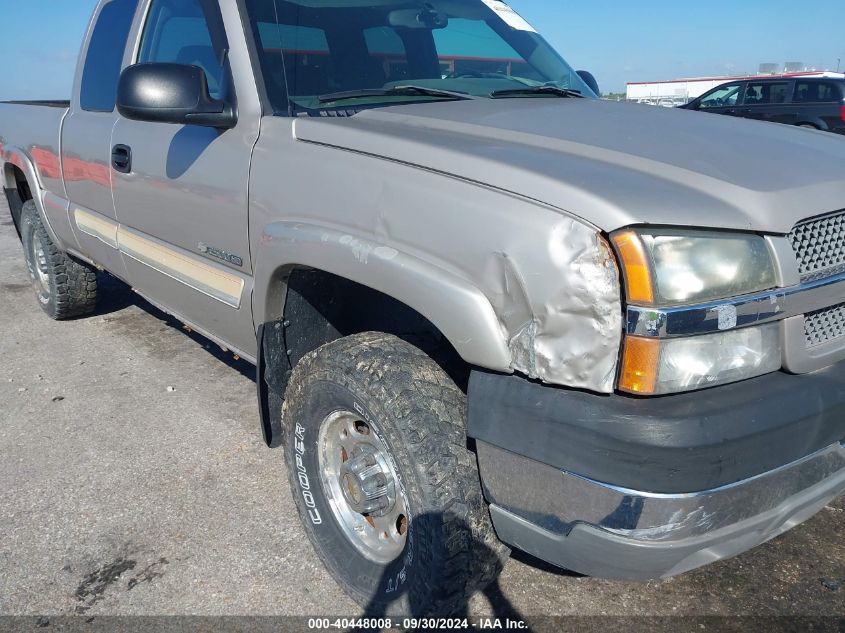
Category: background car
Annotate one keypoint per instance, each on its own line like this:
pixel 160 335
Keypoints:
pixel 807 102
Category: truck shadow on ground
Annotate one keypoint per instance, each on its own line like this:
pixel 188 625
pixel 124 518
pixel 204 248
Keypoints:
pixel 413 596
pixel 115 296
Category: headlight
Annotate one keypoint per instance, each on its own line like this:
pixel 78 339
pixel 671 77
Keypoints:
pixel 672 268
pixel 668 267
pixel 655 366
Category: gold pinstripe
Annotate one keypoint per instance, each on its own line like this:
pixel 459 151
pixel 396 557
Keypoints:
pixel 96 226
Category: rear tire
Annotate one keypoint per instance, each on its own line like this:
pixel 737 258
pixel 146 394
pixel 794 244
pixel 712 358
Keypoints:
pixel 429 544
pixel 65 287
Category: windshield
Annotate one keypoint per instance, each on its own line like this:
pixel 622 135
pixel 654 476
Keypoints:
pixel 321 48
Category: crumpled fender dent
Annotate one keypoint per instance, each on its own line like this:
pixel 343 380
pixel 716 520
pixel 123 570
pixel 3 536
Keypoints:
pixel 551 311
pixel 569 332
pixel 459 310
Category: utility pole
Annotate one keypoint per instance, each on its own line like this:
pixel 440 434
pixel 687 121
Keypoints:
pixel 838 61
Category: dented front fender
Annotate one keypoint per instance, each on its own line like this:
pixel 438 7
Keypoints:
pixel 514 285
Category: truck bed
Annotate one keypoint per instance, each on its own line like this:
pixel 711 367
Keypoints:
pixel 33 129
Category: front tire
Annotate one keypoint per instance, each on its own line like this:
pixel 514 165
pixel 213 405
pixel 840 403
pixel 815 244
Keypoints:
pixel 65 287
pixel 376 448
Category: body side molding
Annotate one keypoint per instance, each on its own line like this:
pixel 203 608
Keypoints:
pixel 197 274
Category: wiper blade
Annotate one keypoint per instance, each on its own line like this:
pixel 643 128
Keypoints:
pixel 396 91
pixel 537 90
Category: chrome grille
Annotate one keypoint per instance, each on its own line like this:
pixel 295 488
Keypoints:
pixel 820 246
pixel 824 325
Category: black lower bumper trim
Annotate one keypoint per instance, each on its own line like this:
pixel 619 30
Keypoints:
pixel 675 444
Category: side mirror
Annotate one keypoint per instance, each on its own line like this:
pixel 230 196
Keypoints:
pixel 171 93
pixel 587 78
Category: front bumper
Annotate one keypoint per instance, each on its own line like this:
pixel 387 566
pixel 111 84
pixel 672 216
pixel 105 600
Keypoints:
pixel 636 489
pixel 609 532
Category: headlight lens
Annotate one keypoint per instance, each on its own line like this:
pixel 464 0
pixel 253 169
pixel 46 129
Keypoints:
pixel 669 267
pixel 654 366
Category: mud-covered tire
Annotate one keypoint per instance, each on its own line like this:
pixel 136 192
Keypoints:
pixel 450 550
pixel 65 288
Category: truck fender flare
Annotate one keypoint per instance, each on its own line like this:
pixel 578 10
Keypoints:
pixel 461 312
pixel 16 157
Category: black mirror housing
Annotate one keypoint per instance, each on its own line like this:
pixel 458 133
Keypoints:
pixel 588 78
pixel 171 93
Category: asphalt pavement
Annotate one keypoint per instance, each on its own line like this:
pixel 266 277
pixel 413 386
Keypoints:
pixel 134 481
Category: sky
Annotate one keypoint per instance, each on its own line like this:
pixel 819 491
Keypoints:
pixel 617 40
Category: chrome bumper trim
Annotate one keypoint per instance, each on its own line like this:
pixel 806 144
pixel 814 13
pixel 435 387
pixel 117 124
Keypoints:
pixel 557 501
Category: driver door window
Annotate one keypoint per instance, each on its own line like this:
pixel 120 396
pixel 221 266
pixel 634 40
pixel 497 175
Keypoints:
pixel 724 97
pixel 177 32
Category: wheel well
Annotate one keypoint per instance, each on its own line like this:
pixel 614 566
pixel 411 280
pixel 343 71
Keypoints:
pixel 22 185
pixel 17 195
pixel 321 307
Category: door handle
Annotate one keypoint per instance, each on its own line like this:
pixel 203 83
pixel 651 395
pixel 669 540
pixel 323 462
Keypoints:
pixel 121 158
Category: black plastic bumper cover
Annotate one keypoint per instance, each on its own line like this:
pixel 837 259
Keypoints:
pixel 675 444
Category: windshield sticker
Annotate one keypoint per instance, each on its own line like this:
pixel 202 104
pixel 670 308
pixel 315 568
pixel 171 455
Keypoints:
pixel 510 17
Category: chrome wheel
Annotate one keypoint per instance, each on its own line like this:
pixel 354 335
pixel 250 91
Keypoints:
pixel 38 267
pixel 362 486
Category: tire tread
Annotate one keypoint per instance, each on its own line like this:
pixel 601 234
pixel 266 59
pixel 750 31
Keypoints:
pixel 430 413
pixel 74 286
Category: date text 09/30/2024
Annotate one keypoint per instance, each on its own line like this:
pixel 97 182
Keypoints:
pixel 346 624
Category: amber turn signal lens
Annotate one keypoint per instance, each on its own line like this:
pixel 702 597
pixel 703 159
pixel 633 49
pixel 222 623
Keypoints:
pixel 639 286
pixel 639 365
